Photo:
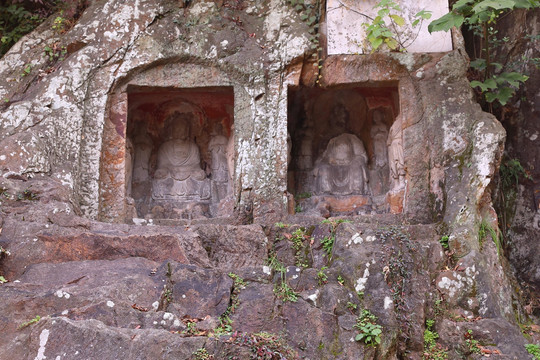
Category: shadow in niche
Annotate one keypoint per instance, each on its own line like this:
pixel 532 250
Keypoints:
pixel 179 152
pixel 346 153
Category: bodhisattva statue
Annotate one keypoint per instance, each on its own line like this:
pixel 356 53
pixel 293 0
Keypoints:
pixel 379 135
pixel 179 175
pixel 395 154
pixel 143 150
pixel 219 166
pixel 341 170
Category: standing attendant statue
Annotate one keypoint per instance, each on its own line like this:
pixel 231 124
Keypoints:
pixel 395 154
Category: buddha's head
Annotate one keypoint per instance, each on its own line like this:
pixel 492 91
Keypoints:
pixel 177 126
pixel 378 117
pixel 342 152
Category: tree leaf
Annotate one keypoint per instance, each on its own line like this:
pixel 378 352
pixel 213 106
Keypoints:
pixel 391 43
pixel 525 4
pixel 376 43
pixel 446 22
pixel 424 14
pixel 494 4
pixel 398 20
pixel 479 64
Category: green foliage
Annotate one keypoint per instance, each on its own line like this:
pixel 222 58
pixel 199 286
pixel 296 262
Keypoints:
pixel 483 230
pixel 15 22
pixel 29 322
pixel 304 195
pixel 328 244
pixel 472 344
pixel 3 252
pixel 27 195
pixel 444 242
pixel 55 52
pixel 299 237
pixel 264 346
pixel 285 292
pixel 202 354
pixel 3 280
pixel 500 87
pixel 239 283
pixel 432 350
pixel 340 280
pixel 510 173
pixel 224 327
pixel 369 331
pixel 383 29
pixel 281 225
pixel 282 289
pixel 351 306
pixel 534 350
pixel 59 23
pixel 328 241
pixel 481 16
pixel 322 278
pixel 27 70
pixel 225 322
pixel 18 18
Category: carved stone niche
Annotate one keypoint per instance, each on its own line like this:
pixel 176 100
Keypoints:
pixel 178 159
pixel 344 148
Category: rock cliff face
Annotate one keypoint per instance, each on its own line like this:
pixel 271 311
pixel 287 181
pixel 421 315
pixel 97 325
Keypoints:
pixel 109 284
pixel 523 128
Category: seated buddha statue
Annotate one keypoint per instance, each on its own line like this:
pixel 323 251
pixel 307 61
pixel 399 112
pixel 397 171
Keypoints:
pixel 341 170
pixel 178 174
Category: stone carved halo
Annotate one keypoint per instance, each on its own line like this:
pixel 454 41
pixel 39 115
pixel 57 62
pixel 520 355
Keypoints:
pixel 353 102
pixel 197 120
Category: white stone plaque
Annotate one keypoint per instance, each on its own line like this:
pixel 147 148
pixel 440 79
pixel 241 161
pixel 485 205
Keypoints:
pixel 344 19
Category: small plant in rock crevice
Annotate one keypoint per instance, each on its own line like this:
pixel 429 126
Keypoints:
pixel 534 350
pixel 329 240
pixel 444 242
pixel 264 346
pixel 29 322
pixel 472 344
pixel 432 350
pixel 225 322
pixel 202 354
pixel 301 244
pixel 55 52
pixel 511 172
pixel 398 255
pixel 322 278
pixel 483 229
pixel 27 195
pixel 282 289
pixel 369 332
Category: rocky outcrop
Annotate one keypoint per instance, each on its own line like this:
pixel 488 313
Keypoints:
pixel 108 284
pixel 521 203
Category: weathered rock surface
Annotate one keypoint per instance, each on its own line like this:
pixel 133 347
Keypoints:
pixel 167 289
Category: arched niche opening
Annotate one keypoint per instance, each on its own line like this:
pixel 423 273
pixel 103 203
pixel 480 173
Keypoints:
pixel 346 150
pixel 179 152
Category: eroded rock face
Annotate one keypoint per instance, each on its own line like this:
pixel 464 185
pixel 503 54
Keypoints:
pixel 84 140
